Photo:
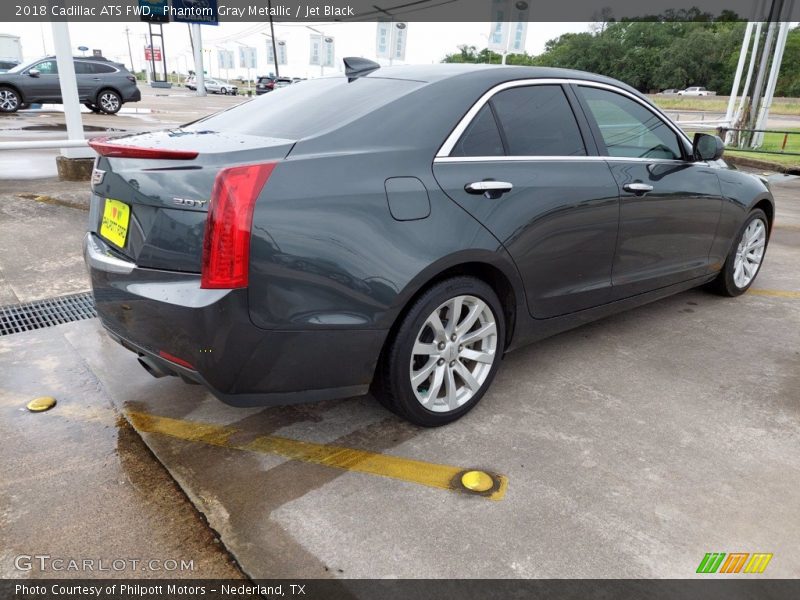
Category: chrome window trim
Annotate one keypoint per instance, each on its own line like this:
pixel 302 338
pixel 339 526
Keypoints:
pixel 463 159
pixel 448 145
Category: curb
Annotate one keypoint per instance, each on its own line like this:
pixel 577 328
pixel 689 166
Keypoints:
pixel 746 161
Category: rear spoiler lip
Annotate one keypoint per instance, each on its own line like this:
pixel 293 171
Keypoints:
pixel 106 147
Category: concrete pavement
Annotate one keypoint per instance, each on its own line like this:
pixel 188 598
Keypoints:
pixel 79 484
pixel 632 446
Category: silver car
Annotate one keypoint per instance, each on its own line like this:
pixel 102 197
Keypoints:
pixel 215 86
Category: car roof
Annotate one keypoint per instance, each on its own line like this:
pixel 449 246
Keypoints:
pixel 488 74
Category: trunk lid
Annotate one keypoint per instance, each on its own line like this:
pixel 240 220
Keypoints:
pixel 151 192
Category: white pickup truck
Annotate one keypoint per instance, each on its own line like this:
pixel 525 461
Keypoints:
pixel 696 91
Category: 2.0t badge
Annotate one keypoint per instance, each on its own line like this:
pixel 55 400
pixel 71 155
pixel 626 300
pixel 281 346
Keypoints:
pixel 189 202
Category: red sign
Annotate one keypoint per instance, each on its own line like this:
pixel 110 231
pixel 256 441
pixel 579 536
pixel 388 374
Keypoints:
pixel 151 53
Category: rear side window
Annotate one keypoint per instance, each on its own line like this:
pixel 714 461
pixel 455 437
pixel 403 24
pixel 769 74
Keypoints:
pixel 481 138
pixel 538 121
pixel 82 68
pixel 317 106
pixel 628 128
pixel 525 121
pixel 101 69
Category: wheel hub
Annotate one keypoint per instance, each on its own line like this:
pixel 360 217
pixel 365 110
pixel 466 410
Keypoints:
pixel 453 353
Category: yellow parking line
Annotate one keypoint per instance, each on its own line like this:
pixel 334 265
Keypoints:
pixel 361 461
pixel 774 293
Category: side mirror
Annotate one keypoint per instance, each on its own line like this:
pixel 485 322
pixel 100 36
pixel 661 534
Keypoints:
pixel 707 147
pixel 34 72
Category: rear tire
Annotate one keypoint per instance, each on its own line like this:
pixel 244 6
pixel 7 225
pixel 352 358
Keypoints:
pixel 109 102
pixel 745 257
pixel 93 107
pixel 10 102
pixel 437 367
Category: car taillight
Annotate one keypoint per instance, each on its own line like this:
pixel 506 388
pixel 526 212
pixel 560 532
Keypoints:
pixel 131 78
pixel 106 147
pixel 175 359
pixel 226 246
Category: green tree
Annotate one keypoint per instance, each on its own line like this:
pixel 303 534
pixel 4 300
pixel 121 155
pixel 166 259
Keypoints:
pixel 674 50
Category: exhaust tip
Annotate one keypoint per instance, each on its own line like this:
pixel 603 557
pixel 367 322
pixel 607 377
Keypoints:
pixel 151 367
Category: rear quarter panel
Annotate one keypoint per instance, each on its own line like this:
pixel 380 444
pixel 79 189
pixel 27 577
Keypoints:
pixel 327 253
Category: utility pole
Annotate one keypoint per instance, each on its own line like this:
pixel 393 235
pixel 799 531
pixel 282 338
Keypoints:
pixel 130 52
pixel 197 44
pixel 272 35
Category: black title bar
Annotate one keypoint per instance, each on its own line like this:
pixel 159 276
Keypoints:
pixel 401 10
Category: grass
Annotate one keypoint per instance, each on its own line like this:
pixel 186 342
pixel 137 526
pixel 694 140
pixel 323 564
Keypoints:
pixel 780 106
pixel 781 159
pixel 772 141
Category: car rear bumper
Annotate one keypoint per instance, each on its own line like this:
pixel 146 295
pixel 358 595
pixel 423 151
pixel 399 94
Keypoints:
pixel 153 312
pixel 136 96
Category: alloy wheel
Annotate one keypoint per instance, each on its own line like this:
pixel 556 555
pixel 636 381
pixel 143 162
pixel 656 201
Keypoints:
pixel 453 353
pixel 109 102
pixel 750 253
pixel 9 101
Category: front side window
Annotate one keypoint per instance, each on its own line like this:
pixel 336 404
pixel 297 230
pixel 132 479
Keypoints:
pixel 47 67
pixel 534 120
pixel 629 129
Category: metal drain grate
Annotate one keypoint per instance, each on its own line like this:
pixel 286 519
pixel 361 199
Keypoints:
pixel 17 318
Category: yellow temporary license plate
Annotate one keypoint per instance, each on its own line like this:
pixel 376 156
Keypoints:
pixel 114 227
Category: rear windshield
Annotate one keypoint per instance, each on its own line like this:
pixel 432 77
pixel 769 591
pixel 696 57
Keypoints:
pixel 308 107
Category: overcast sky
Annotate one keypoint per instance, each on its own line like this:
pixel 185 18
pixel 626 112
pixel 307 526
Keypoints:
pixel 427 42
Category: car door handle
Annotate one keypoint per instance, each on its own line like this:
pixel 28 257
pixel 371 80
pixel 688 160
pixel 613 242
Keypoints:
pixel 637 187
pixel 490 189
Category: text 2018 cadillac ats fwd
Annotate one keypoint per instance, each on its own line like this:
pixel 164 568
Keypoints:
pixel 401 228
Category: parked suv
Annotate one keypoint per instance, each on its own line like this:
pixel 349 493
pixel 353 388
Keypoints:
pixel 103 86
pixel 265 84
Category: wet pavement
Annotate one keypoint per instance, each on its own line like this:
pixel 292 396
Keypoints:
pixel 42 224
pixel 78 482
pixel 157 110
pixel 631 447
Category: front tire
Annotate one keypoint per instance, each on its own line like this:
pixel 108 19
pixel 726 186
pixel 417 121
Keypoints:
pixel 109 101
pixel 745 258
pixel 10 102
pixel 444 354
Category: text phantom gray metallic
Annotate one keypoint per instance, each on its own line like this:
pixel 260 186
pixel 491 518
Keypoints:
pixel 400 229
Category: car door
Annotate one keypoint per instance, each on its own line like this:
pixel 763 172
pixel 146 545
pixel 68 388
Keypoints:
pixel 86 79
pixel 525 166
pixel 44 87
pixel 669 205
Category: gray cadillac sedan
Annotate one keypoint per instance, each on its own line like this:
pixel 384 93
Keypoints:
pixel 400 229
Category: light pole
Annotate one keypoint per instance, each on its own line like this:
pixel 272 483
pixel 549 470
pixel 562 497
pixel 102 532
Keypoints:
pixel 392 40
pixel 272 37
pixel 130 52
pixel 249 89
pixel 227 73
pixel 325 41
